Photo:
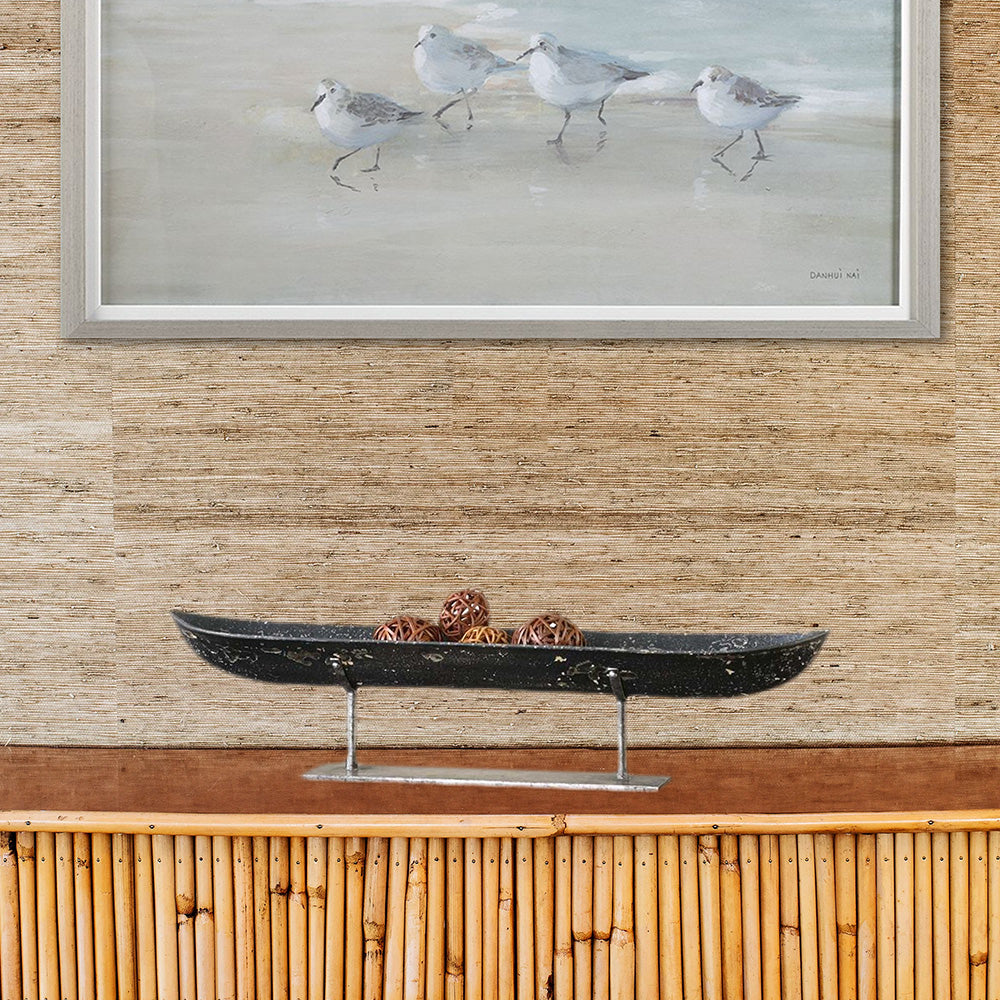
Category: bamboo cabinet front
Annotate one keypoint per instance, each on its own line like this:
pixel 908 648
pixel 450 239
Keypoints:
pixel 818 915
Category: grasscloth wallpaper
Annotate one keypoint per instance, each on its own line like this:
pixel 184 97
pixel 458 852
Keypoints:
pixel 700 486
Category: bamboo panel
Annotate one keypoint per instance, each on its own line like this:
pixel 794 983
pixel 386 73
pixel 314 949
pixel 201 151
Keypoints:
pixel 602 916
pixel 165 916
pixel 923 922
pixel 750 890
pixel 669 918
pixel 506 936
pixel 524 895
pixel 993 906
pixel 316 915
pixel 436 947
pixel 298 922
pixel 959 887
pixel 940 878
pixel 885 933
pixel 711 918
pixel 415 935
pixel 26 892
pixel 123 891
pixel 904 943
pixel 395 916
pixel 770 915
pixel 243 919
pixel 791 952
pixel 102 873
pixel 622 950
pixel 373 916
pixel 45 898
pixel 225 917
pixel 10 921
pixel 262 916
pixel 145 937
pixel 66 916
pixel 454 958
pixel 645 919
pixel 279 878
pixel 846 878
pixel 867 916
pixel 204 920
pixel 184 878
pixel 562 961
pixel 473 917
pixel 544 885
pixel 491 917
pixel 978 916
pixel 731 916
pixel 808 918
pixel 826 914
pixel 336 888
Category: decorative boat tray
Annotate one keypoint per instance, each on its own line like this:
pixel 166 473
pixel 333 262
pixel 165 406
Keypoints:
pixel 615 663
pixel 648 663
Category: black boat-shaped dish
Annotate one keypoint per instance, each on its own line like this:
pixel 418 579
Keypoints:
pixel 613 663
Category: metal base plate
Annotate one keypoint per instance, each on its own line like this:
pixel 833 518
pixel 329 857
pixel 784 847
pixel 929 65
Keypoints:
pixel 576 780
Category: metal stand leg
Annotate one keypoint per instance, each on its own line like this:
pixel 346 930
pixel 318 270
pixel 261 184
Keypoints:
pixel 619 692
pixel 352 747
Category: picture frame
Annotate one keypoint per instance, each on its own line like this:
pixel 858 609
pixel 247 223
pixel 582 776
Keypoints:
pixel 914 315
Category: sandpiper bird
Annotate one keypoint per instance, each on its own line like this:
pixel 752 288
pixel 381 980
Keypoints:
pixel 737 102
pixel 570 80
pixel 357 121
pixel 449 64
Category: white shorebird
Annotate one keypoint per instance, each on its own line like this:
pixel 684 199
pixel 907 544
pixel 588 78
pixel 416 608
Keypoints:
pixel 449 64
pixel 570 80
pixel 357 121
pixel 738 103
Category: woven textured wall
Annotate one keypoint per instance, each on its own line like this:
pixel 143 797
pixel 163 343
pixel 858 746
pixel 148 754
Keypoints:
pixel 663 485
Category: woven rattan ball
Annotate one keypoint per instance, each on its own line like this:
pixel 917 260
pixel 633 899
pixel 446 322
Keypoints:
pixel 486 633
pixel 462 611
pixel 548 630
pixel 406 628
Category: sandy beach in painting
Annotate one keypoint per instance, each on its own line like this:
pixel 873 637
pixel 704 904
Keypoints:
pixel 216 182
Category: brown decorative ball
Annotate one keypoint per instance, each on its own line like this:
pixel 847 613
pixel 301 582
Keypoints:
pixel 406 628
pixel 462 611
pixel 486 633
pixel 548 630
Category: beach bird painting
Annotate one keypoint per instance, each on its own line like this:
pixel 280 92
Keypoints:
pixel 529 158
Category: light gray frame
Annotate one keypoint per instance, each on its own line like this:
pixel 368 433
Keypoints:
pixel 920 28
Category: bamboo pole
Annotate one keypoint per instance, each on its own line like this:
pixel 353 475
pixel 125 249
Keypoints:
pixel 336 887
pixel 602 912
pixel 225 917
pixel 45 897
pixel 691 916
pixel 145 921
pixel 808 918
pixel 885 933
pixel 923 920
pixel 993 906
pixel 454 965
pixel 243 918
pixel 165 911
pixel 316 907
pixel 184 874
pixel 562 958
pixel 204 920
pixel 978 915
pixel 66 916
pixel 749 861
pixel 415 934
pixel 298 923
pixel 960 916
pixel 123 893
pixel 102 875
pixel 395 917
pixel 262 916
pixel 10 920
pixel 435 956
pixel 278 884
pixel 506 962
pixel 373 915
pixel 524 894
pixel 903 874
pixel 711 917
pixel 791 951
pixel 544 880
pixel 826 914
pixel 24 844
pixel 941 883
pixel 645 921
pixel 473 918
pixel 83 896
pixel 846 879
pixel 491 917
pixel 866 862
pixel 622 920
pixel 731 916
pixel 583 915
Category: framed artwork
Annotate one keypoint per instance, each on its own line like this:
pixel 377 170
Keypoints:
pixel 467 169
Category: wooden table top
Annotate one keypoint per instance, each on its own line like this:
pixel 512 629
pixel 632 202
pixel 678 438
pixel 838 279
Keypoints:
pixel 703 781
